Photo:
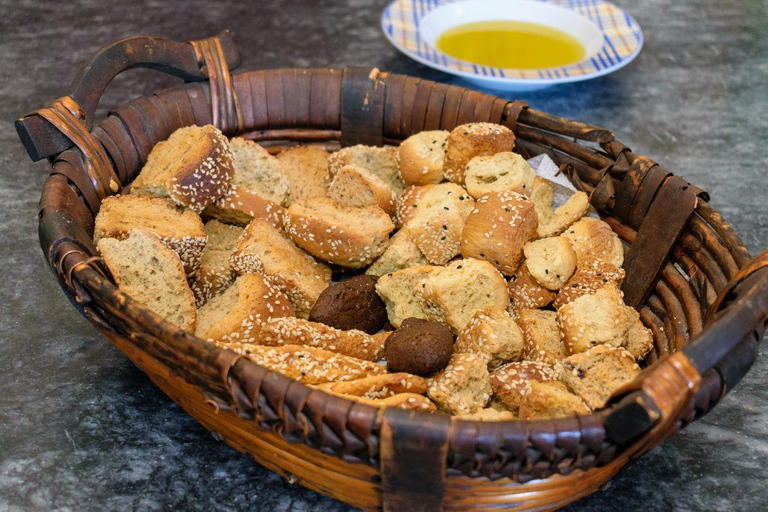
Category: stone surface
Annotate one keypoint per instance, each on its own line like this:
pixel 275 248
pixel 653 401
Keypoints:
pixel 81 428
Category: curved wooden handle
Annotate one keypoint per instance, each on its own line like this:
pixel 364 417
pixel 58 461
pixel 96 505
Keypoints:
pixel 42 139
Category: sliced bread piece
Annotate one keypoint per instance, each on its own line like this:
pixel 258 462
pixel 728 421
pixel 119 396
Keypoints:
pixel 595 374
pixel 356 187
pixel 307 170
pixel 467 141
pixel 498 228
pixel 381 162
pixel 401 253
pixel 551 261
pixel 180 231
pixel 258 171
pixel 238 314
pixel 349 237
pixel 499 173
pixel 265 250
pixel 399 291
pixel 193 167
pixel 453 293
pixel 422 156
pixel 215 274
pixel 240 206
pixel 297 331
pixel 151 273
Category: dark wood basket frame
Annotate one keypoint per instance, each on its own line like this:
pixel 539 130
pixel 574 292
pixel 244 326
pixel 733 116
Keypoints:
pixel 694 271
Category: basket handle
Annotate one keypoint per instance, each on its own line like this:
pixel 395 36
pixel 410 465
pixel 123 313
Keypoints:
pixel 182 59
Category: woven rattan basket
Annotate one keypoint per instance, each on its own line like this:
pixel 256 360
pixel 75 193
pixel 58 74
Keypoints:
pixel 688 274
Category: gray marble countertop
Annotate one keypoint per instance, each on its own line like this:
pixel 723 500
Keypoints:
pixel 81 428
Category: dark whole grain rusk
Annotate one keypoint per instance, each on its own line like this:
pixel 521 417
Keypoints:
pixel 351 304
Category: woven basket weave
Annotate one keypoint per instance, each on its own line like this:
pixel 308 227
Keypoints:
pixel 688 273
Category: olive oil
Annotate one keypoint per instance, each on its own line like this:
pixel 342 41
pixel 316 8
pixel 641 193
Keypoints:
pixel 511 44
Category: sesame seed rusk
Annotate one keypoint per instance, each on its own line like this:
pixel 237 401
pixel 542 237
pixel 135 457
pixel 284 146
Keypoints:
pixel 492 335
pixel 151 273
pixel 498 228
pixel 594 319
pixel 308 171
pixel 595 374
pixel 464 386
pixel 357 187
pixel 401 253
pixel 399 292
pixel 576 207
pixel 512 381
pixel 382 162
pixel 551 261
pixel 266 250
pixel 526 293
pixel 349 237
pixel 193 167
pixel 215 274
pixel 470 140
pixel 180 231
pixel 550 400
pixel 408 401
pixel 499 173
pixel 594 239
pixel 308 365
pixel 238 314
pixel 422 156
pixel 542 337
pixel 297 331
pixel 380 386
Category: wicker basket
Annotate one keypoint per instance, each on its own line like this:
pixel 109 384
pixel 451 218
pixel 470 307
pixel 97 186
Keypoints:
pixel 687 272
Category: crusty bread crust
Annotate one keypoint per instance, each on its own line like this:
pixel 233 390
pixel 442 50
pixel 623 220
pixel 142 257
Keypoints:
pixel 350 237
pixel 180 231
pixel 193 167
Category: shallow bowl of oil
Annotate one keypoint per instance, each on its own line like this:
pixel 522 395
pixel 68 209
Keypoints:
pixel 515 45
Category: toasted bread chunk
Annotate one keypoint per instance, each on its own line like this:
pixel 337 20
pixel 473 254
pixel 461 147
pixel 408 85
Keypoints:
pixel 512 381
pixel 381 162
pixel 541 335
pixel 574 209
pixel 492 335
pixel 594 319
pixel 380 386
pixel 550 400
pixel 526 293
pixel 350 237
pixel 594 239
pixel 543 196
pixel 551 261
pixel 639 337
pixel 180 231
pixel 499 173
pixel 238 314
pixel 215 274
pixel 422 156
pixel 297 331
pixel 265 250
pixel 595 374
pixel 399 291
pixel 240 206
pixel 463 387
pixel 145 269
pixel 308 365
pixel 308 171
pixel 407 203
pixel 467 141
pixel 193 167
pixel 357 187
pixel 453 293
pixel 498 228
pixel 445 196
pixel 401 253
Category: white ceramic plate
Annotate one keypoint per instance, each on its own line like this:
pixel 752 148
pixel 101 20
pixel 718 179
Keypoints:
pixel 610 36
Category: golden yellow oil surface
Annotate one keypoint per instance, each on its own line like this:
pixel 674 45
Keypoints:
pixel 511 44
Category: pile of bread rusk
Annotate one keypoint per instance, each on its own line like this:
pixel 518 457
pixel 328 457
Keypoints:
pixel 433 276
